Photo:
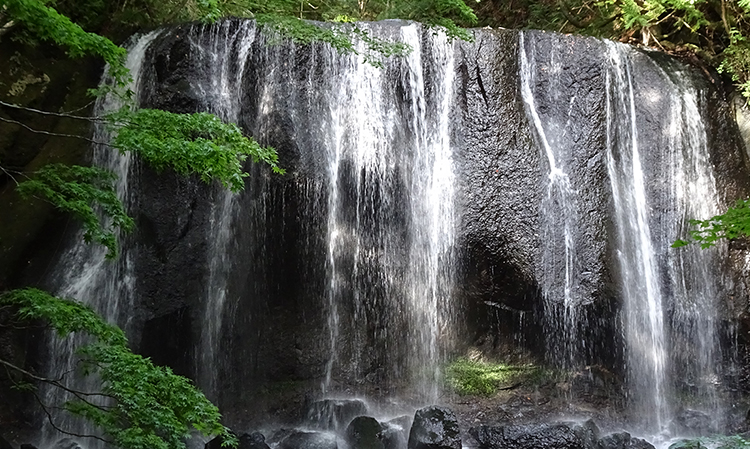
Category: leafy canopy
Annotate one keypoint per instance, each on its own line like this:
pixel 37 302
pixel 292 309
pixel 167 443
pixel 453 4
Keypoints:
pixel 190 144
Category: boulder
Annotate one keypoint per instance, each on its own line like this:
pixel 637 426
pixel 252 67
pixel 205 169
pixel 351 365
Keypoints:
pixel 254 440
pixel 623 440
pixel 687 444
pixel 561 435
pixel 214 444
pixel 434 428
pixel 395 433
pixel 66 443
pixel 334 414
pixel 364 432
pixel 299 439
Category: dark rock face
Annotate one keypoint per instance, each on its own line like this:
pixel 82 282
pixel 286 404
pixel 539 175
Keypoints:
pixel 561 435
pixel 254 440
pixel 4 443
pixel 365 432
pixel 434 428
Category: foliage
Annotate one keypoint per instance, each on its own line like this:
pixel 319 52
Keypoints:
pixel 734 223
pixel 338 36
pixel 148 406
pixel 447 14
pixel 81 191
pixel 46 24
pixel 190 143
pixel 473 377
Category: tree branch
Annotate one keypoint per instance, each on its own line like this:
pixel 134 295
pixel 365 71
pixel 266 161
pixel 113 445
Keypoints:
pixel 55 114
pixel 53 382
pixel 47 133
pixel 54 426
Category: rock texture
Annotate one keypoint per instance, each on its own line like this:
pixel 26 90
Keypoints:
pixel 434 428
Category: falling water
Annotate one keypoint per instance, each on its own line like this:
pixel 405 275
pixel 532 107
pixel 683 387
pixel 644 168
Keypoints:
pixel 695 275
pixel 89 277
pixel 559 267
pixel 670 296
pixel 643 302
pixel 223 50
pixel 391 216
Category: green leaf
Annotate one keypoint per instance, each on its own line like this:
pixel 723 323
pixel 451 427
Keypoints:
pixel 86 192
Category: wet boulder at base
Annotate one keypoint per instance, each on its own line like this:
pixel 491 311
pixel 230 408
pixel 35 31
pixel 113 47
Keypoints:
pixel 434 427
pixel 693 423
pixel 365 432
pixel 560 435
pixel 396 432
pixel 623 440
pixel 254 440
pixel 299 439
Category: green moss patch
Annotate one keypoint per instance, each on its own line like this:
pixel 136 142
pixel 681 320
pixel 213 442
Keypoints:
pixel 474 377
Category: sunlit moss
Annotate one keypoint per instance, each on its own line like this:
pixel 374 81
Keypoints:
pixel 475 377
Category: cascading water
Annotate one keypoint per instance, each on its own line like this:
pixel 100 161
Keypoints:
pixel 670 296
pixel 559 267
pixel 224 57
pixel 385 178
pixel 390 214
pixel 642 296
pixel 105 285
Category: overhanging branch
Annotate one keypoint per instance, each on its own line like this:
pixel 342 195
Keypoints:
pixel 53 134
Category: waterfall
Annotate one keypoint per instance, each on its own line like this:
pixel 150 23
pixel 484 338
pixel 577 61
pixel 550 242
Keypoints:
pixel 643 301
pixel 670 297
pixel 375 185
pixel 570 163
pixel 559 268
pixel 223 50
pixel 659 175
pixel 105 285
pixel 390 215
